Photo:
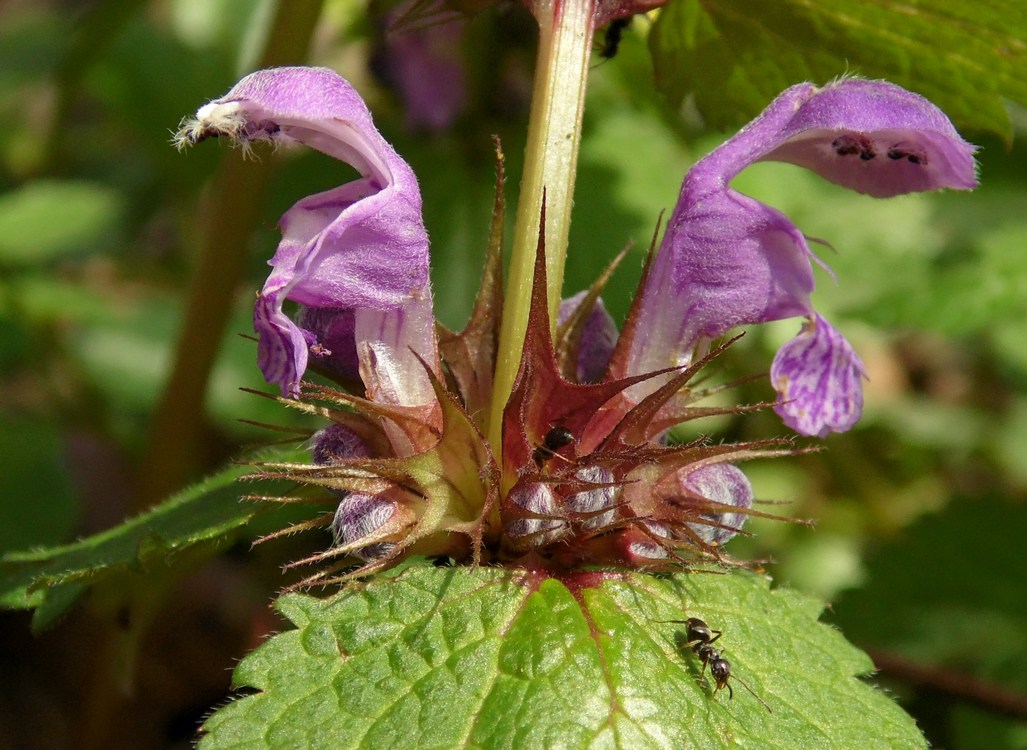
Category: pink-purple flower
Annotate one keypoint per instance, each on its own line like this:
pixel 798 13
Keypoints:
pixel 728 260
pixel 583 474
pixel 357 250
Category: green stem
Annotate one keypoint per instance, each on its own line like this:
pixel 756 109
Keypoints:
pixel 550 165
pixel 176 449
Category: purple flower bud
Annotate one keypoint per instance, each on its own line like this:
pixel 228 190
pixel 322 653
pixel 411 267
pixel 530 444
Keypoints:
pixel 647 549
pixel 337 443
pixel 598 337
pixel 359 516
pixel 539 499
pixel 819 380
pixel 722 483
pixel 590 501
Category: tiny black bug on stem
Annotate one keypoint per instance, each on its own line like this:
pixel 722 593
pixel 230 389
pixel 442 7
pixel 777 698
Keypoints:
pixel 555 439
pixel 700 638
pixel 611 40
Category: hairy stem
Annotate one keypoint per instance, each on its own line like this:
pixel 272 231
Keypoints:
pixel 550 165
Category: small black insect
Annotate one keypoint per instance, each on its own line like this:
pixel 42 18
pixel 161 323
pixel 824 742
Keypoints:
pixel 700 638
pixel 611 40
pixel 555 439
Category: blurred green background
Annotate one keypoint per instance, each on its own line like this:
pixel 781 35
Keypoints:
pixel 920 510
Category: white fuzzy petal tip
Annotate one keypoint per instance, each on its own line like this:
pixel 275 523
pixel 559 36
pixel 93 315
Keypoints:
pixel 212 119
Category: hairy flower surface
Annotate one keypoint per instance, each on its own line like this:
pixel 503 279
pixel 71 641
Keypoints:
pixel 361 247
pixel 584 475
pixel 728 260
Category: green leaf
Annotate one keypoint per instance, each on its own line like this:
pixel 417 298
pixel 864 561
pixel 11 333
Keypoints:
pixel 964 615
pixel 207 513
pixel 491 658
pixel 735 55
pixel 48 219
pixel 909 608
pixel 33 468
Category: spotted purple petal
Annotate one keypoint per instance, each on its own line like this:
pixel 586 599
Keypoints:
pixel 876 138
pixel 819 380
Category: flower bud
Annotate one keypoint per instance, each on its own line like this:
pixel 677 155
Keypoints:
pixel 337 443
pixel 722 483
pixel 359 516
pixel 539 500
pixel 589 502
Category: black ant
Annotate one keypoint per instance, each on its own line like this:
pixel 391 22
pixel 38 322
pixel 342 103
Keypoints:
pixel 555 439
pixel 611 40
pixel 700 638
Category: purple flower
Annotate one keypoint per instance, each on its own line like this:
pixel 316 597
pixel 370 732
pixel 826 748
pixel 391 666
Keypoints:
pixel 819 360
pixel 424 65
pixel 360 248
pixel 728 260
pixel 598 337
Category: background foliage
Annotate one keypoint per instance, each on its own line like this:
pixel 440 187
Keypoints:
pixel 920 510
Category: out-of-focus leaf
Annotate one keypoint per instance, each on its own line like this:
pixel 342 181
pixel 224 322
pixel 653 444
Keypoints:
pixel 30 47
pixel 515 659
pixel 735 55
pixel 127 358
pixel 968 615
pixel 127 361
pixel 37 505
pixel 207 513
pixel 907 606
pixel 47 219
pixel 35 298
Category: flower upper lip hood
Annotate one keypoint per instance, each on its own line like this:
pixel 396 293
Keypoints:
pixel 912 145
pixel 728 260
pixel 360 246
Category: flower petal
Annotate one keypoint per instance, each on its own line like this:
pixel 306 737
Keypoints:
pixel 393 348
pixel 819 380
pixel 598 337
pixel 424 65
pixel 876 138
pixel 359 246
pixel 726 260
